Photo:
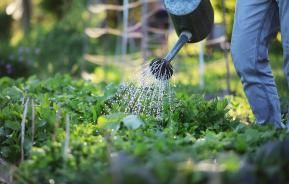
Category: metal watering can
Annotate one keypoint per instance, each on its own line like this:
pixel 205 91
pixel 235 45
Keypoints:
pixel 193 21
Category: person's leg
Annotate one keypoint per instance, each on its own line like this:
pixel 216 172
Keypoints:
pixel 256 22
pixel 284 20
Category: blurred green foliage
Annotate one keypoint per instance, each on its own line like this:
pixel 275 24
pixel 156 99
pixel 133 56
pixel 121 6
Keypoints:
pixel 5 25
pixel 58 7
pixel 59 40
pixel 47 50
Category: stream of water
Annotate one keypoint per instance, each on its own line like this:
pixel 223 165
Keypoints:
pixel 144 95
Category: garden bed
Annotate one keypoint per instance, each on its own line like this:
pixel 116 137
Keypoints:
pixel 61 130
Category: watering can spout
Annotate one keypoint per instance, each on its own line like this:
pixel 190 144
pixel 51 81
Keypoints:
pixel 183 39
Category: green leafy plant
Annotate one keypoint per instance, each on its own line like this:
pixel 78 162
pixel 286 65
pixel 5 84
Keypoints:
pixel 70 137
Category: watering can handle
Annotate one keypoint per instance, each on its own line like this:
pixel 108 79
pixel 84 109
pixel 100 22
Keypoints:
pixel 184 37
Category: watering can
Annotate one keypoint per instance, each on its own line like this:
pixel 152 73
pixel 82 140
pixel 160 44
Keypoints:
pixel 193 20
pixel 194 16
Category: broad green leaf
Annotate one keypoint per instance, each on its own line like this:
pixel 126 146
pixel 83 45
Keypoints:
pixel 2 132
pixel 13 125
pixel 111 121
pixel 230 162
pixel 132 122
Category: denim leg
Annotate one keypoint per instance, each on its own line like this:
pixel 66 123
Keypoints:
pixel 256 22
pixel 284 20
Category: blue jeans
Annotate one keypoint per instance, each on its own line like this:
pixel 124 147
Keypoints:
pixel 256 22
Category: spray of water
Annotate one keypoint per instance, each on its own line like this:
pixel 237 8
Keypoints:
pixel 149 93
